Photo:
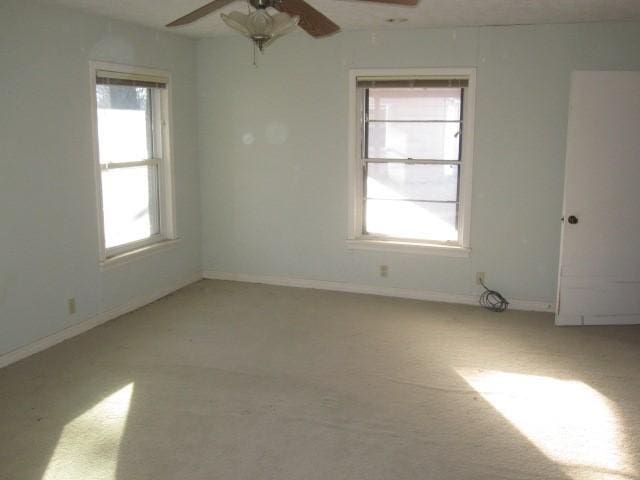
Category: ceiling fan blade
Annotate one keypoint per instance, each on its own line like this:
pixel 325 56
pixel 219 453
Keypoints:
pixel 199 13
pixel 311 20
pixel 394 2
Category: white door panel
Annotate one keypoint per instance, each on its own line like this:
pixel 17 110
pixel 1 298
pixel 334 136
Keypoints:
pixel 600 297
pixel 599 281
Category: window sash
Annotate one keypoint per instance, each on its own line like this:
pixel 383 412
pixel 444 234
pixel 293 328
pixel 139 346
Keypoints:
pixel 155 208
pixel 139 163
pixel 363 95
pixel 364 137
pixel 155 128
pixel 155 139
pixel 363 92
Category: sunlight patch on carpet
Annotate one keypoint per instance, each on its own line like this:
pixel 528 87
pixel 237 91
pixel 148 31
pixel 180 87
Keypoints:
pixel 571 423
pixel 89 444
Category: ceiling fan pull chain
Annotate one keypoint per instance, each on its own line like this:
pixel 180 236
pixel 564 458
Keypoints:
pixel 253 45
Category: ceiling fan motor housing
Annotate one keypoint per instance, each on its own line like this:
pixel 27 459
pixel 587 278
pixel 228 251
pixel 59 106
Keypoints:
pixel 261 4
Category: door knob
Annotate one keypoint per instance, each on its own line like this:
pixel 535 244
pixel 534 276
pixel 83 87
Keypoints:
pixel 572 219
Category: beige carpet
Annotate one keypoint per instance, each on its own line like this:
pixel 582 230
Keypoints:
pixel 227 380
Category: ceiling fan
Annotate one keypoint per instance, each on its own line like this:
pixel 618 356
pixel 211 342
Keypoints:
pixel 263 28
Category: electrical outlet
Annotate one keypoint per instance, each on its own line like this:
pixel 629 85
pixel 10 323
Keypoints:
pixel 384 271
pixel 479 278
pixel 71 304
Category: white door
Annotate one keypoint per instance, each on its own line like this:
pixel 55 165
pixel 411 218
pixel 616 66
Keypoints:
pixel 599 279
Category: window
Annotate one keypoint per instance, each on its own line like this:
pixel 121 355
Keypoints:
pixel 411 141
pixel 134 170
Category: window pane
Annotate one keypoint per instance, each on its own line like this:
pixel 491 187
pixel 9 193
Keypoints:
pixel 434 141
pixel 414 103
pixel 130 204
pixel 402 181
pixel 124 123
pixel 412 220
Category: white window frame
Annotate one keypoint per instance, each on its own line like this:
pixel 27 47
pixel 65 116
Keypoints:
pixel 167 235
pixel 355 236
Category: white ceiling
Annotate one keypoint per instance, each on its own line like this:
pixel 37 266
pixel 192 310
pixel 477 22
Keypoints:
pixel 355 15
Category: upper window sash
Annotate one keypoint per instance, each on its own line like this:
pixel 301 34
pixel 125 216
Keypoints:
pixel 154 122
pixel 445 123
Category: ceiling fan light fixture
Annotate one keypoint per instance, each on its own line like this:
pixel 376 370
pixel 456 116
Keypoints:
pixel 237 21
pixel 261 27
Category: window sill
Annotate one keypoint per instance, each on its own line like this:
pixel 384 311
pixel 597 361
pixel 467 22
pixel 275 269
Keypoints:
pixel 408 247
pixel 133 255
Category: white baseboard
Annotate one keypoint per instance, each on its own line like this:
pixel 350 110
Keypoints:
pixel 524 305
pixel 92 322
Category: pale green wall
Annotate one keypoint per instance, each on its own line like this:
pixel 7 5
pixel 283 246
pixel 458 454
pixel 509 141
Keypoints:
pixel 270 209
pixel 281 210
pixel 48 224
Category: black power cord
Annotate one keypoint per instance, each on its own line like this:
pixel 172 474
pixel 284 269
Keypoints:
pixel 492 300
